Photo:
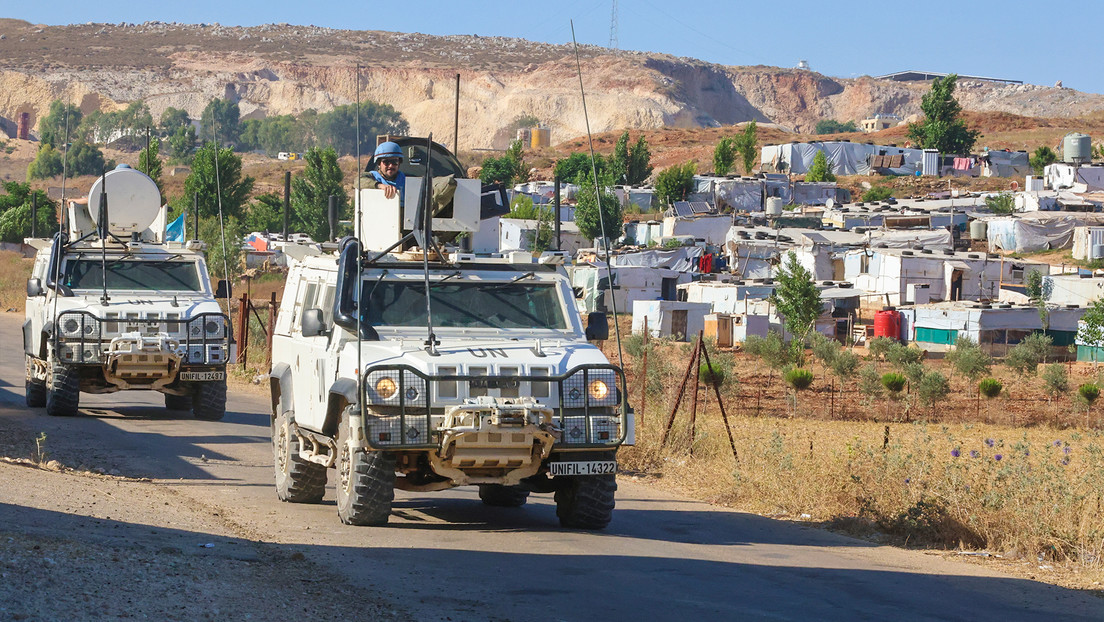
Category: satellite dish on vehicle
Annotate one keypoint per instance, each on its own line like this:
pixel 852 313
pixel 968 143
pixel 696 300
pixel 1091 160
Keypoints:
pixel 133 200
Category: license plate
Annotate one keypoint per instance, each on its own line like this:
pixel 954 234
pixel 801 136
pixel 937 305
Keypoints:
pixel 202 375
pixel 603 467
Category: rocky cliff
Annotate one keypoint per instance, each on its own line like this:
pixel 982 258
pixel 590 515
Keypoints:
pixel 284 69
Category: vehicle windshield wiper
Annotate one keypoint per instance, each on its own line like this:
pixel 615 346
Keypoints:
pixel 527 275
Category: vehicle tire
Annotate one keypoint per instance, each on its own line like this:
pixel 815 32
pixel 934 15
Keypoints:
pixel 501 496
pixel 36 394
pixel 63 393
pixel 586 502
pixel 178 402
pixel 209 400
pixel 297 480
pixel 365 483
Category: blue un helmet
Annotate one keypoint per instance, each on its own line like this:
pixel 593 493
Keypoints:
pixel 387 150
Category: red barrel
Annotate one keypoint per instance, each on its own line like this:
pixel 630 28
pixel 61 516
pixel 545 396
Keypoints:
pixel 887 323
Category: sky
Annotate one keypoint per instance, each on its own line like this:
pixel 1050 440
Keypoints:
pixel 1009 39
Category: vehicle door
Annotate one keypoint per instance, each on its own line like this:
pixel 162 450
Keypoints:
pixel 311 372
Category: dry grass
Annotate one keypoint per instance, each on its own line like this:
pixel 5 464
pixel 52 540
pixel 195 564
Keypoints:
pixel 1026 492
pixel 14 272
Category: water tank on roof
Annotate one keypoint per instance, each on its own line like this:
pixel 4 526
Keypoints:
pixel 774 206
pixel 1076 148
pixel 978 229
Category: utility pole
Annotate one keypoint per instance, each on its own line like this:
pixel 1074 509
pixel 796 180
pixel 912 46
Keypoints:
pixel 613 26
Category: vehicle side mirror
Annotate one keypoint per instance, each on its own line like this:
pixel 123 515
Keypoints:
pixel 597 326
pixel 224 290
pixel 34 288
pixel 313 324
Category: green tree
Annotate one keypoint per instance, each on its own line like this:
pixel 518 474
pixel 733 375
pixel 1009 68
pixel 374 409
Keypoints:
pixel 266 213
pixel 877 193
pixel 149 161
pixel 587 215
pixel 47 163
pixel 820 170
pixel 1033 285
pixel 969 359
pixel 220 247
pixel 540 239
pixel 1090 331
pixel 337 128
pixel 1043 157
pixel 933 388
pixel 747 143
pixel 310 193
pixel 675 182
pixel 51 127
pixel 640 163
pixel 15 212
pixel 724 156
pixel 508 170
pixel 844 365
pixel 571 168
pixel 220 122
pixel 182 144
pixel 204 181
pixel 1055 382
pixel 1026 356
pixel 619 161
pixel 830 126
pixel 942 128
pixel 87 159
pixel 172 119
pixel 797 299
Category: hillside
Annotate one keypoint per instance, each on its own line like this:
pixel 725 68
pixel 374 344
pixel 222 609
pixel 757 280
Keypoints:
pixel 285 69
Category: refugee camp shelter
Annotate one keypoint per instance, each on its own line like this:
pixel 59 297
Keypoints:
pixel 630 283
pixel 895 273
pixel 1088 242
pixel 846 158
pixel 996 328
pixel 666 318
pixel 643 233
pixel 1073 289
pixel 899 213
pixel 1035 231
pixel 1004 163
pixel 518 234
pixel 710 228
pixel 1083 178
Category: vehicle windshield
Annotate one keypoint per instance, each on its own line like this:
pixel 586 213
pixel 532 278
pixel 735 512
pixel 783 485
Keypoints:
pixel 131 274
pixel 465 305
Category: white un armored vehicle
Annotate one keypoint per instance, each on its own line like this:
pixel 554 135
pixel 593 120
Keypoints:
pixel 489 382
pixel 112 307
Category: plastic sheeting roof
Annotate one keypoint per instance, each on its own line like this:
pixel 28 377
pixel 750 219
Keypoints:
pixel 1037 230
pixel 846 158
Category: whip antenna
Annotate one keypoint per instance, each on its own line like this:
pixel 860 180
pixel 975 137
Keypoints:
pixel 356 228
pixel 598 199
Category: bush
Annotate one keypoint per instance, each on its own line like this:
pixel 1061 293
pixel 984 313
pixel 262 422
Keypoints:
pixel 712 375
pixel 844 365
pixel 894 382
pixel 902 356
pixel 1025 357
pixel 1056 380
pixel 870 384
pixel 879 347
pixel 799 379
pixel 1088 393
pixel 1003 203
pixel 824 349
pixel 877 193
pixel 821 169
pixel 990 387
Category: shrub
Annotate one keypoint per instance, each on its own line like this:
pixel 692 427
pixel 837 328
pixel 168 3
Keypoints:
pixel 902 356
pixel 894 382
pixel 1003 203
pixel 990 387
pixel 824 349
pixel 879 347
pixel 844 365
pixel 821 169
pixel 1088 393
pixel 870 384
pixel 799 379
pixel 712 374
pixel 933 388
pixel 877 193
pixel 1026 356
pixel 1055 380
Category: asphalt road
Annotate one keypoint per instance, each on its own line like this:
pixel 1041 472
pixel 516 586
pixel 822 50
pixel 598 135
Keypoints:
pixel 445 556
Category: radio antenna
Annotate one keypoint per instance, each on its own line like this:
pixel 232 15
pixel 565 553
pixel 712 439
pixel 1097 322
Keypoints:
pixel 360 264
pixel 103 232
pixel 598 199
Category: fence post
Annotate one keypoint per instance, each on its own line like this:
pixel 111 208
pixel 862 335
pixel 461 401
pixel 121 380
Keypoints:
pixel 243 328
pixel 271 330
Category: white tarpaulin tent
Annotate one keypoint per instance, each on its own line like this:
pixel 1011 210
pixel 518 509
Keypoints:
pixel 1035 231
pixel 846 158
pixel 1005 164
pixel 1076 178
pixel 741 195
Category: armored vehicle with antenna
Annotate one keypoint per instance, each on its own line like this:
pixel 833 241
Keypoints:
pixel 113 306
pixel 402 363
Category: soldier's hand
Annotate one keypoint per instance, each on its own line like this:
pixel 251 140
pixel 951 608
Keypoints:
pixel 389 192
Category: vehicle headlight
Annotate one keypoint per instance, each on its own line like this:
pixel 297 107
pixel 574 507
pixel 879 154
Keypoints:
pixel 71 326
pixel 213 327
pixel 386 388
pixel 598 390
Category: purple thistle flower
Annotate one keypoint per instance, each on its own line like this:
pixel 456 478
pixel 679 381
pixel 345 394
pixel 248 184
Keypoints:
pixel 955 453
pixel 1065 460
pixel 1066 450
pixel 998 457
pixel 1057 443
pixel 974 453
pixel 990 442
pixel 908 479
pixel 1027 453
